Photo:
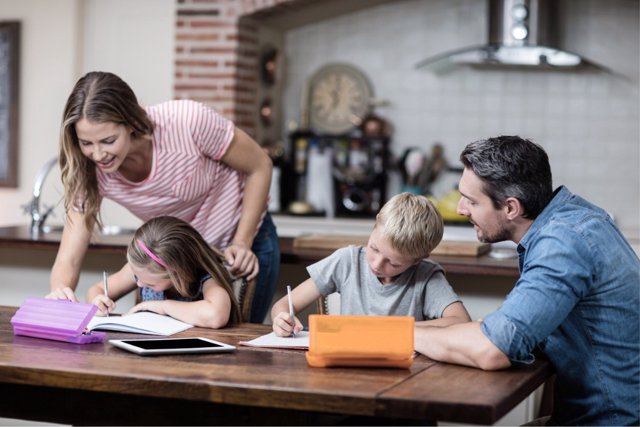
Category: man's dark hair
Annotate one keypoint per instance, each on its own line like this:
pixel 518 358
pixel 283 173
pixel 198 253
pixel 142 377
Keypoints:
pixel 511 166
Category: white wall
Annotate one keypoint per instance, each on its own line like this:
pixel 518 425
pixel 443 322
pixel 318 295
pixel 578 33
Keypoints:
pixel 135 40
pixel 49 65
pixel 588 122
pixel 61 41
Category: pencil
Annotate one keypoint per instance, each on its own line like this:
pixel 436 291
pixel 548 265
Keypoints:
pixel 106 287
pixel 291 314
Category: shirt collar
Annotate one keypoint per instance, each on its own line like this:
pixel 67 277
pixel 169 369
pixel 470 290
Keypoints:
pixel 560 196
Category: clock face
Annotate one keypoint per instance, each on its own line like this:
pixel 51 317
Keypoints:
pixel 339 96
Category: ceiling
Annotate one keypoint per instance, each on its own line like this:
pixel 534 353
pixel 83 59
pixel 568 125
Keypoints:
pixel 297 13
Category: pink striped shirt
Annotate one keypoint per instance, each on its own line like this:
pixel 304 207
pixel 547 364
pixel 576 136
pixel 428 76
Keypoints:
pixel 187 178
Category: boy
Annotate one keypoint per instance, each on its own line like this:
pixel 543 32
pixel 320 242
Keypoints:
pixel 390 277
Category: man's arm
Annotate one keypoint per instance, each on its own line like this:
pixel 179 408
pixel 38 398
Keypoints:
pixel 463 344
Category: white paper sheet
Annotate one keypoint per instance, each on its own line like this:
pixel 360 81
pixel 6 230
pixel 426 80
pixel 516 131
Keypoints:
pixel 299 342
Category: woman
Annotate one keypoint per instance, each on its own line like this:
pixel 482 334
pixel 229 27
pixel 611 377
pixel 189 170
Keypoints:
pixel 178 158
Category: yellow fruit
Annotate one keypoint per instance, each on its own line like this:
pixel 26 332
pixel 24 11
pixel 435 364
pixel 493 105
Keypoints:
pixel 447 206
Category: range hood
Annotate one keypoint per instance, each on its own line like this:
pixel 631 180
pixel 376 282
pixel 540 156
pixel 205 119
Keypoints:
pixel 522 33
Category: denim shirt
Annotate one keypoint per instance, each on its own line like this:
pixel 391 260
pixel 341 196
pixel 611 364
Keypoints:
pixel 577 299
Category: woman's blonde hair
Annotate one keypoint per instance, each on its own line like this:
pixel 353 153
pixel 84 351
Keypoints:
pixel 98 97
pixel 411 224
pixel 175 248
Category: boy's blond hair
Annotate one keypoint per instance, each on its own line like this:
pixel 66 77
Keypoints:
pixel 411 224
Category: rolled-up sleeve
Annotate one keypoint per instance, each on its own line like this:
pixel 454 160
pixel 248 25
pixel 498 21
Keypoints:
pixel 549 287
pixel 504 334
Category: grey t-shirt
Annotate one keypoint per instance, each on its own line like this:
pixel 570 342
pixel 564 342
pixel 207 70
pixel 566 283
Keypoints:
pixel 421 291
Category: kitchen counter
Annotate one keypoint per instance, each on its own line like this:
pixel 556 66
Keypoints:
pixel 288 229
pixel 20 238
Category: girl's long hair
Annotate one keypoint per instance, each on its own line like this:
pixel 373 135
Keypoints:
pixel 187 257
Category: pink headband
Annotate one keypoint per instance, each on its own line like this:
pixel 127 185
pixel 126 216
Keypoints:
pixel 153 256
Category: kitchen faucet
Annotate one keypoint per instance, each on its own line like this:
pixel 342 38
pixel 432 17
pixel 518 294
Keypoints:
pixel 33 206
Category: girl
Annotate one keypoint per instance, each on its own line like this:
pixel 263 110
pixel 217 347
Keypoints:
pixel 177 158
pixel 179 274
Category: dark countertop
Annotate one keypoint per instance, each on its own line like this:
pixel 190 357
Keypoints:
pixel 20 238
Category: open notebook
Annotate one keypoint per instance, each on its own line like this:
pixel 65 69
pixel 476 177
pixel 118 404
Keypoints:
pixel 141 322
pixel 299 342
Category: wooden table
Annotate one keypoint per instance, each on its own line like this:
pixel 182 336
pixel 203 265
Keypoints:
pixel 99 384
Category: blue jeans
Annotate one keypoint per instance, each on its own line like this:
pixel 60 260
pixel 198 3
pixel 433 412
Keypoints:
pixel 266 246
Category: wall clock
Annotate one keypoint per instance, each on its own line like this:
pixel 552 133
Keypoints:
pixel 339 97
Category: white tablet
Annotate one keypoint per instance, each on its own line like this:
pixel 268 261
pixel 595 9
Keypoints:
pixel 150 347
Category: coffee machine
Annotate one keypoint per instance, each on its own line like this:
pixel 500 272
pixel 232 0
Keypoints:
pixel 356 168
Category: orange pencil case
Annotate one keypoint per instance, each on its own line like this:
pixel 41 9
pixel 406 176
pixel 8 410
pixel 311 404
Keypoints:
pixel 379 341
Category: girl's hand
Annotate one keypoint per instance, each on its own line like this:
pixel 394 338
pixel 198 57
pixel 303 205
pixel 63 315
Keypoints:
pixel 154 306
pixel 63 293
pixel 242 261
pixel 283 327
pixel 105 305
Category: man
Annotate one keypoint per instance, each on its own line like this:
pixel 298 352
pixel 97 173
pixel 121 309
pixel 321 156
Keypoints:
pixel 577 298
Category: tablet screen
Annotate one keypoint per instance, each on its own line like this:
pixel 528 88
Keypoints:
pixel 172 345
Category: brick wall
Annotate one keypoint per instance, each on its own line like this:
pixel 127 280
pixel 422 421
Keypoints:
pixel 217 56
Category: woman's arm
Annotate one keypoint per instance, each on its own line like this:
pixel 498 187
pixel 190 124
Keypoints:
pixel 246 156
pixel 303 295
pixel 120 284
pixel 73 247
pixel 211 312
pixel 454 313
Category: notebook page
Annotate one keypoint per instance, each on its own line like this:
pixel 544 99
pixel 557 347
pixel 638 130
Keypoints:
pixel 299 342
pixel 142 322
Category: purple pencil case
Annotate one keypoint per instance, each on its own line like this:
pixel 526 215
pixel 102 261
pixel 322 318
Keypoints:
pixel 54 319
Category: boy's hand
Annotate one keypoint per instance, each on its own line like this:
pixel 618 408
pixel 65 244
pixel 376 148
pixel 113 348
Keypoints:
pixel 63 293
pixel 282 325
pixel 104 303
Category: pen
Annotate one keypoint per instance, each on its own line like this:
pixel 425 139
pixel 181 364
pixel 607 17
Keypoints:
pixel 106 287
pixel 291 309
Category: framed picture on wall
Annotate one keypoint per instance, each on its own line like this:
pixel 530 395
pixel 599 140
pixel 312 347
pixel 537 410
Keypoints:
pixel 9 81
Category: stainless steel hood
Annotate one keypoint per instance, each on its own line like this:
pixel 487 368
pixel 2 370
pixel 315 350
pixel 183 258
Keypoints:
pixel 522 33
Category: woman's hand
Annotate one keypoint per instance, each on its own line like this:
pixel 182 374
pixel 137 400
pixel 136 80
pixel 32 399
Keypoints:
pixel 63 293
pixel 105 304
pixel 242 261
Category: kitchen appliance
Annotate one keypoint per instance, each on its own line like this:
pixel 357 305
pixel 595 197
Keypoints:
pixel 522 33
pixel 354 168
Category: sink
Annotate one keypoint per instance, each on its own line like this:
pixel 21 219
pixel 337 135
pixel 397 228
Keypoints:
pixel 107 230
pixel 116 230
pixel 52 229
